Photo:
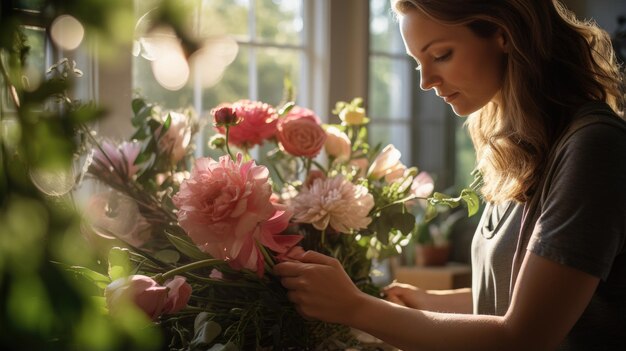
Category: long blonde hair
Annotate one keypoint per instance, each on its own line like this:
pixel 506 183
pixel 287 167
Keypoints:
pixel 556 64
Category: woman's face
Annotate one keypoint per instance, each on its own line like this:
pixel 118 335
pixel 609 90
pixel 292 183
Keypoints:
pixel 465 70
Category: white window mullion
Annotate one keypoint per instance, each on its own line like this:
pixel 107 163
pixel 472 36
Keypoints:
pixel 197 94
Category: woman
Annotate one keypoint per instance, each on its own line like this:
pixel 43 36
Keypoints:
pixel 543 95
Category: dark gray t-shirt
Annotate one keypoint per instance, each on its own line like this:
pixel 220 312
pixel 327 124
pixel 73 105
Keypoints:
pixel 582 224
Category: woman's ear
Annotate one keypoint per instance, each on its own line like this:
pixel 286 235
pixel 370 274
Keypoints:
pixel 503 40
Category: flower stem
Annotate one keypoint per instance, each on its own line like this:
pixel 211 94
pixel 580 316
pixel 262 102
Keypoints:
pixel 268 259
pixel 195 265
pixel 323 237
pixel 227 146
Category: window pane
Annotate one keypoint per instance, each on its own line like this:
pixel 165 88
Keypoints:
pixel 384 31
pixel 234 84
pixel 389 87
pixel 29 4
pixel 398 134
pixel 36 40
pixel 147 86
pixel 274 65
pixel 225 17
pixel 279 21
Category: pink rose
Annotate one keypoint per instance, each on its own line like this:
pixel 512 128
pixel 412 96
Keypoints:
pixel 225 115
pixel 145 293
pixel 225 208
pixel 116 163
pixel 257 123
pixel 179 292
pixel 300 133
pixel 177 138
pixel 140 290
pixel 388 161
pixel 337 144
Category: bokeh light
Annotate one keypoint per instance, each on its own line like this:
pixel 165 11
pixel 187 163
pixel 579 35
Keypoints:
pixel 67 32
pixel 210 61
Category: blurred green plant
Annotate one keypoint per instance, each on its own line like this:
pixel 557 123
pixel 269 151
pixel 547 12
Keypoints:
pixel 43 304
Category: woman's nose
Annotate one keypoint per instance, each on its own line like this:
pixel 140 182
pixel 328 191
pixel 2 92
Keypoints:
pixel 428 79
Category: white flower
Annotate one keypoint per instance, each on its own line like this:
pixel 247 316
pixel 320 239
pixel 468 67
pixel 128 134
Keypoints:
pixel 177 137
pixel 334 201
pixel 387 163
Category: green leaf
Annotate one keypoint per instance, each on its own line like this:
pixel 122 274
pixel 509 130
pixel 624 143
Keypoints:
pixel 167 256
pixel 187 248
pixel 138 104
pixel 471 200
pixel 404 222
pixel 119 263
pixel 286 108
pixel 430 213
pixel 98 279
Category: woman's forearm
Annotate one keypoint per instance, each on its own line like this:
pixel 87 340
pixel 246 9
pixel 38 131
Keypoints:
pixel 424 330
pixel 450 301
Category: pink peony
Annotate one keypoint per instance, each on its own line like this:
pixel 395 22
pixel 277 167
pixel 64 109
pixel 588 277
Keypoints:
pixel 177 138
pixel 335 202
pixel 225 208
pixel 116 163
pixel 337 144
pixel 257 123
pixel 300 133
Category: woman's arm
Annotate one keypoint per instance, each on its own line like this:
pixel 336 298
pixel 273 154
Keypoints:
pixel 548 299
pixel 450 301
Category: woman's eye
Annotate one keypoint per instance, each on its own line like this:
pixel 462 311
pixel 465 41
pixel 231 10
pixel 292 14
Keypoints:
pixel 444 57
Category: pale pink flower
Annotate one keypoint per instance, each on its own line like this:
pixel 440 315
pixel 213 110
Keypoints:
pixel 114 215
pixel 300 133
pixel 225 208
pixel 335 202
pixel 360 165
pixel 140 290
pixel 388 161
pixel 337 144
pixel 145 293
pixel 176 139
pixel 115 163
pixel 257 123
pixel 312 176
pixel 423 185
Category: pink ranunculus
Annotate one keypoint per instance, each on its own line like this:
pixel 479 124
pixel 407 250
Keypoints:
pixel 395 173
pixel 179 292
pixel 300 133
pixel 140 290
pixel 386 162
pixel 336 202
pixel 423 185
pixel 177 138
pixel 225 208
pixel 116 163
pixel 114 215
pixel 257 123
pixel 337 144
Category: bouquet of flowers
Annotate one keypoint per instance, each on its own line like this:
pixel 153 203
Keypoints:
pixel 196 238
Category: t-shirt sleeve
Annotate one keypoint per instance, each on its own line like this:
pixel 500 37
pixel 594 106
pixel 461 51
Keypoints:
pixel 583 219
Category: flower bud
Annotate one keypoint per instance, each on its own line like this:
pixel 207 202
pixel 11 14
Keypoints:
pixel 225 116
pixel 337 144
pixel 217 141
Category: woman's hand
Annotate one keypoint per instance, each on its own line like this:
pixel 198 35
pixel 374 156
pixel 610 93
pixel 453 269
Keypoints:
pixel 319 287
pixel 404 295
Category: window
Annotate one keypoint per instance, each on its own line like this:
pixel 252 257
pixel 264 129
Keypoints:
pixel 273 46
pixel 390 83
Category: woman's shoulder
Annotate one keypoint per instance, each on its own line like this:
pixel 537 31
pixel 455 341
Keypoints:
pixel 595 122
